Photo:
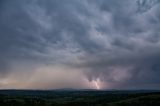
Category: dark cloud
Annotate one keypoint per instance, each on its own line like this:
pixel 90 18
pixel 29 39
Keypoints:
pixel 145 5
pixel 115 42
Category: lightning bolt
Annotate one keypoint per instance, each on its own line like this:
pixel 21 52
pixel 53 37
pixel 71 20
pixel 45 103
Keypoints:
pixel 96 85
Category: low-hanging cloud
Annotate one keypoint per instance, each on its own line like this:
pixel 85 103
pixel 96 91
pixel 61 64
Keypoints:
pixel 114 42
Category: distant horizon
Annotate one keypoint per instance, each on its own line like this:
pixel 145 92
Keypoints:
pixel 70 89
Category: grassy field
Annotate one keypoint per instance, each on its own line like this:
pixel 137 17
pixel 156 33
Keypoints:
pixel 79 98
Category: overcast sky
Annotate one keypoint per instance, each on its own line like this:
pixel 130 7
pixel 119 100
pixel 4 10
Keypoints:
pixel 81 44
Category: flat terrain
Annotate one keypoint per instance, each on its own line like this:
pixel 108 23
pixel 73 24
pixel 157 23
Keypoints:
pixel 79 98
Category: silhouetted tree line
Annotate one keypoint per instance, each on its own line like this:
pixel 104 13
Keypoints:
pixel 78 99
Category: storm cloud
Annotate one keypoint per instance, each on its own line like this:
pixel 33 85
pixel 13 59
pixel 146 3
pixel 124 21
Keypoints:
pixel 73 43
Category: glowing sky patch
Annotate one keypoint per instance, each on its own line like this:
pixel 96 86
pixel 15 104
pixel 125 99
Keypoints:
pixel 96 85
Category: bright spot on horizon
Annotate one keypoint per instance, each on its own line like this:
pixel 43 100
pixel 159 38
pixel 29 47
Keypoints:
pixel 96 83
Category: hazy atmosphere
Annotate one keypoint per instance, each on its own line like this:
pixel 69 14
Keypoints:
pixel 80 44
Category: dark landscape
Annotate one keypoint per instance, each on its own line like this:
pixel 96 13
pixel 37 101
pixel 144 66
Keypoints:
pixel 79 98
